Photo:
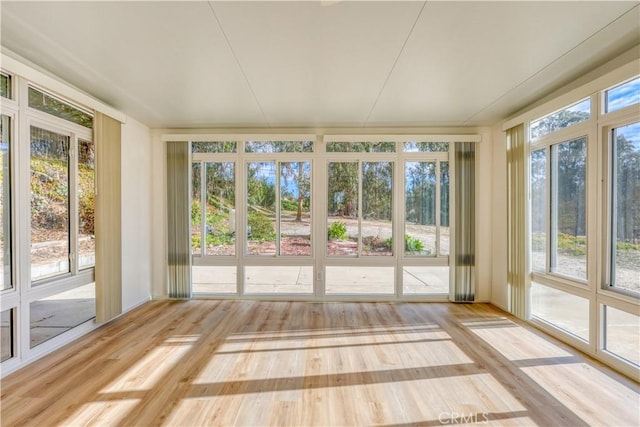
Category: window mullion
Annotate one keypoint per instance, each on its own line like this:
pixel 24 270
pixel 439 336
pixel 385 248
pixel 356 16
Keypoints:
pixel 203 209
pixel 438 208
pixel 359 209
pixel 72 194
pixel 277 210
pixel 552 199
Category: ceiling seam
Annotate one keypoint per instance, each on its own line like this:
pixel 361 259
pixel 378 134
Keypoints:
pixel 386 80
pixel 463 123
pixel 235 57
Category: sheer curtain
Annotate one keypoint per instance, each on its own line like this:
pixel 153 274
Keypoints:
pixel 516 219
pixel 108 266
pixel 465 221
pixel 179 241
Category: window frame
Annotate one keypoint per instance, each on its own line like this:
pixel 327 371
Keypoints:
pixel 546 143
pixel 319 260
pixel 47 122
pixel 598 128
pixel 618 119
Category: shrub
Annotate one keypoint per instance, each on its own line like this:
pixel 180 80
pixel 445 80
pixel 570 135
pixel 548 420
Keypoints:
pixel 289 205
pixel 411 244
pixel 337 231
pixel 260 227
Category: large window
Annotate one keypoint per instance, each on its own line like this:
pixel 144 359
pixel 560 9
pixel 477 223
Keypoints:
pixel 426 208
pixel 558 186
pixel 568 208
pixel 50 229
pixel 584 222
pixel 624 251
pixel 213 204
pixel 251 222
pixel 5 204
pixel 359 210
pixel 293 217
pixel 279 208
pixel 47 210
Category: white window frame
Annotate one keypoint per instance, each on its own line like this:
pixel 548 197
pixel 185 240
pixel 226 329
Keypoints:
pixel 319 260
pixel 24 291
pixel 598 241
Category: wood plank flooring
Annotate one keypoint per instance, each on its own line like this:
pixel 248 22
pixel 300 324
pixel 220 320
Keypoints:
pixel 205 362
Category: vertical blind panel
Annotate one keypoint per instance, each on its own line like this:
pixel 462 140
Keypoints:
pixel 108 270
pixel 515 219
pixel 179 239
pixel 465 231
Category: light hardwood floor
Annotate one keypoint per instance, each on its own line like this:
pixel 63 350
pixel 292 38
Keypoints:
pixel 205 362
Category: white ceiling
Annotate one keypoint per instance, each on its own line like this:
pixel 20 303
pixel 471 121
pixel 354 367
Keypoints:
pixel 311 63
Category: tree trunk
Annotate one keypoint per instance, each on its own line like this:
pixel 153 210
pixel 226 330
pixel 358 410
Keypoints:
pixel 299 212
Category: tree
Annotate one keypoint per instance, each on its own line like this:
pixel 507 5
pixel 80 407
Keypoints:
pixel 299 173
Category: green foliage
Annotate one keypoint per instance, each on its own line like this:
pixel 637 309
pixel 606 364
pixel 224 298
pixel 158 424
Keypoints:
pixel 49 204
pixel 572 245
pixel 411 244
pixel 195 241
pixel 289 205
pixel 196 212
pixel 628 247
pixel 86 211
pixel 219 238
pixel 337 231
pixel 260 226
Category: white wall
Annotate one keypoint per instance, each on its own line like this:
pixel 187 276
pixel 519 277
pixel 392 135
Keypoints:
pixel 137 236
pixel 158 217
pixel 499 290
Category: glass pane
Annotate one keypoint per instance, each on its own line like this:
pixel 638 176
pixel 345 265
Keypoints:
pixel 423 147
pixel 5 86
pixel 563 310
pixel 569 116
pixel 278 147
pixel 342 208
pixel 5 204
pixel 280 279
pixel 425 280
pixel 220 216
pixel 538 210
pixel 625 266
pixel 622 96
pixel 261 208
pixel 48 104
pixel 420 208
pixel 86 204
pixel 444 208
pixel 568 208
pixel 360 280
pixel 196 208
pixel 361 147
pixel 295 208
pixel 6 335
pixel 377 208
pixel 214 280
pixel 621 335
pixel 213 146
pixel 59 313
pixel 49 203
